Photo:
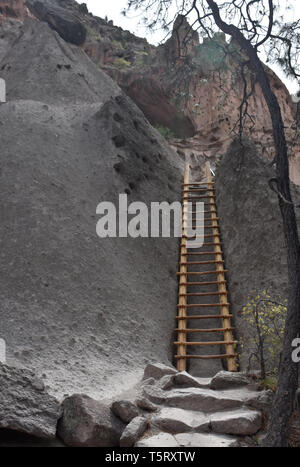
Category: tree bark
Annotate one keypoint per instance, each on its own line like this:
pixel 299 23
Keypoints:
pixel 288 370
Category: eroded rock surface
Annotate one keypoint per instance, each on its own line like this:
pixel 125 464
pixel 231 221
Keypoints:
pixel 89 423
pixel 25 405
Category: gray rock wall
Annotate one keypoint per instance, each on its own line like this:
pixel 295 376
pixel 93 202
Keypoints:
pixel 83 312
pixel 251 229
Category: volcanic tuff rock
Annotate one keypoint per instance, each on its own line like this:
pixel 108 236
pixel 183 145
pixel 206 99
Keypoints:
pixel 82 297
pixel 66 24
pixel 88 423
pixel 191 90
pixel 252 232
pixel 25 405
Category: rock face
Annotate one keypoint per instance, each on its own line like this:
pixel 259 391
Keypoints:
pixel 190 89
pixel 13 9
pixel 25 406
pixel 82 297
pixel 88 423
pixel 252 232
pixel 66 24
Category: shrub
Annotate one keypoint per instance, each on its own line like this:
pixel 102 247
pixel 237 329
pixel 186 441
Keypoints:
pixel 122 63
pixel 266 319
pixel 165 132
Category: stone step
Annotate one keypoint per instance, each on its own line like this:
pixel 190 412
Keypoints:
pixel 176 420
pixel 187 440
pixel 184 379
pixel 241 422
pixel 205 440
pixel 205 400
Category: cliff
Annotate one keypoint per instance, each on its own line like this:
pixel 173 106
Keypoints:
pixel 191 91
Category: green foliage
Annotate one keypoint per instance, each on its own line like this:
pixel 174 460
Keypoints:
pixel 117 45
pixel 165 132
pixel 142 58
pixel 211 55
pixel 270 382
pixel 266 319
pixel 121 63
pixel 93 34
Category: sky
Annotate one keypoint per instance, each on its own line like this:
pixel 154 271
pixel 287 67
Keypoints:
pixel 113 10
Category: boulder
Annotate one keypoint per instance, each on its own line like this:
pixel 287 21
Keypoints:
pixel 239 422
pixel 228 380
pixel 154 394
pixel 134 430
pixel 25 405
pixel 125 410
pixel 202 399
pixel 176 420
pixel 166 382
pixel 158 370
pixel 186 380
pixel 89 423
pixel 262 401
pixel 65 23
pixel 145 404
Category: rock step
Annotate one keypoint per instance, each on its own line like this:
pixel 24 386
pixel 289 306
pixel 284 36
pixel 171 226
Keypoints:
pixel 187 440
pixel 240 422
pixel 203 400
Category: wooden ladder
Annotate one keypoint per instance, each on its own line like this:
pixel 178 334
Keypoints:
pixel 203 191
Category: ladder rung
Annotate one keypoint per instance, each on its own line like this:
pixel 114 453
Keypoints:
pixel 204 317
pixel 193 263
pixel 197 190
pixel 201 212
pixel 210 226
pixel 187 198
pixel 197 284
pixel 188 237
pixel 187 331
pixel 201 253
pixel 205 343
pixel 208 244
pixel 203 305
pixel 188 273
pixel 197 183
pixel 206 219
pixel 206 357
pixel 205 294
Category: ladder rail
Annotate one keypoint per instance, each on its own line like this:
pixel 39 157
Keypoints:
pixel 228 336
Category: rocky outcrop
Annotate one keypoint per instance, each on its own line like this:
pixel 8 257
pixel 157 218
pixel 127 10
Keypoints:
pixel 80 141
pixel 252 233
pixel 25 405
pixel 191 91
pixel 88 423
pixel 13 9
pixel 68 26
